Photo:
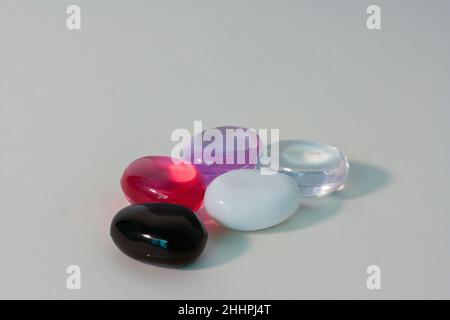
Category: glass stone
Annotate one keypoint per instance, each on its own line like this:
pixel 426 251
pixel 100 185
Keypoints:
pixel 159 233
pixel 242 153
pixel 318 169
pixel 159 179
pixel 247 200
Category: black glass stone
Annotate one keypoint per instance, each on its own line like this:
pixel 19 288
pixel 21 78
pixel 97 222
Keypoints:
pixel 159 233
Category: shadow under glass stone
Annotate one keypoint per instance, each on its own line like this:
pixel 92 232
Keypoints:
pixel 363 179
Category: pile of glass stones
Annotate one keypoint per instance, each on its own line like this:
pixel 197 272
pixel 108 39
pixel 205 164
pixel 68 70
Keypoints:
pixel 242 185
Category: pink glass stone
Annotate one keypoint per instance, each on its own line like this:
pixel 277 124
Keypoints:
pixel 159 179
pixel 238 148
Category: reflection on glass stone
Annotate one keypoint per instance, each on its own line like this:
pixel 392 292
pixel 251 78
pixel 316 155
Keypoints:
pixel 318 169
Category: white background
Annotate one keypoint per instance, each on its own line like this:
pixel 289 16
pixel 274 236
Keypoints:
pixel 78 106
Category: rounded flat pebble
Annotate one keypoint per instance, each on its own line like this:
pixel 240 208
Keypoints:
pixel 317 168
pixel 159 233
pixel 239 148
pixel 246 200
pixel 158 179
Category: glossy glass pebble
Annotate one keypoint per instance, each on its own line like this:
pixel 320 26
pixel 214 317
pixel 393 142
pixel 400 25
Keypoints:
pixel 217 157
pixel 318 169
pixel 159 233
pixel 246 200
pixel 159 179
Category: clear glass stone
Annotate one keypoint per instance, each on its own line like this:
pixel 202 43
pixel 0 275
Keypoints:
pixel 318 169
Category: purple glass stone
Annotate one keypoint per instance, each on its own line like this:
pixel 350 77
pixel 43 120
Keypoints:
pixel 222 149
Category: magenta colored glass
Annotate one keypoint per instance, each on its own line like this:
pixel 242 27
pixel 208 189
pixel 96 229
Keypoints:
pixel 158 179
pixel 238 148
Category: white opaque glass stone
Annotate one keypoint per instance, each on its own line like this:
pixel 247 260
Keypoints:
pixel 246 200
pixel 318 169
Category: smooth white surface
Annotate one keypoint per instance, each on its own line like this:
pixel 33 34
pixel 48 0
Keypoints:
pixel 246 200
pixel 77 107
